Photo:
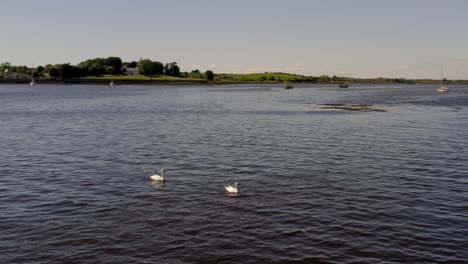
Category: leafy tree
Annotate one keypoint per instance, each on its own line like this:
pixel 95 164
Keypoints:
pixel 209 75
pixel 95 69
pixel 132 64
pixel 66 70
pixel 40 69
pixel 21 69
pixel 158 66
pixel 115 62
pixel 196 74
pixel 148 67
pixel 172 69
pixel 38 72
pixel 96 66
pixel 110 69
pixel 53 72
pixel 145 67
pixel 47 68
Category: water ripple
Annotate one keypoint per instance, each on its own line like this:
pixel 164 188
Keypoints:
pixel 317 186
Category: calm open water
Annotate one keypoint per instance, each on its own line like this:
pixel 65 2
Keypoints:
pixel 318 185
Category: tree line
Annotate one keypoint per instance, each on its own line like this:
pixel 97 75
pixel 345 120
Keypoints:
pixel 101 66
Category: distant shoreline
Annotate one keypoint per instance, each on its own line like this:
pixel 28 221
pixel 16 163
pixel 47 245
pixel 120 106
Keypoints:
pixel 195 82
pixel 98 81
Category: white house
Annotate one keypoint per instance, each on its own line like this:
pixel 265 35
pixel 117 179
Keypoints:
pixel 131 71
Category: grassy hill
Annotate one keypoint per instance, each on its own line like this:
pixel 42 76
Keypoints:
pixel 219 77
pixel 257 77
pixel 267 77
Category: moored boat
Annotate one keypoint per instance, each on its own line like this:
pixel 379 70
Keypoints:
pixel 443 89
pixel 287 86
pixel 32 82
pixel 343 85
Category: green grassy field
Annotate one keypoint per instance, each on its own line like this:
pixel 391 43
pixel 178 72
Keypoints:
pixel 255 77
pixel 252 77
pixel 221 77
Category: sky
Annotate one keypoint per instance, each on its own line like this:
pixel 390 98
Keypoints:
pixel 354 38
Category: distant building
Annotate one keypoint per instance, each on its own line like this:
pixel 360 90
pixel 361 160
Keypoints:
pixel 13 75
pixel 131 71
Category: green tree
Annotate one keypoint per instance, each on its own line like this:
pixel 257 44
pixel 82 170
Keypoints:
pixel 132 64
pixel 66 70
pixel 115 62
pixel 110 69
pixel 145 67
pixel 149 68
pixel 40 71
pixel 95 69
pixel 21 69
pixel 47 69
pixel 172 69
pixel 196 74
pixel 158 66
pixel 209 75
pixel 53 72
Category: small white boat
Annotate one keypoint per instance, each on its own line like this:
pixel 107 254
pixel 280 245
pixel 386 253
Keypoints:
pixel 343 85
pixel 111 82
pixel 232 189
pixel 158 177
pixel 32 82
pixel 443 89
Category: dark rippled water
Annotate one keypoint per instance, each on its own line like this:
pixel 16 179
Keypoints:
pixel 318 185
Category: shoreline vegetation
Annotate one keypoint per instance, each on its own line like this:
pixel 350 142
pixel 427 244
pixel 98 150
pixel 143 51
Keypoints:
pixel 146 71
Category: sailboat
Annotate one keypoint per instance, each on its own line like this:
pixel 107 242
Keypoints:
pixel 442 89
pixel 32 82
pixel 111 82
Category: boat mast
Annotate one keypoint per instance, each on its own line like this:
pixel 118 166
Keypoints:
pixel 441 74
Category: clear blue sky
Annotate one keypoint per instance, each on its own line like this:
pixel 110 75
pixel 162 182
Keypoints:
pixel 359 38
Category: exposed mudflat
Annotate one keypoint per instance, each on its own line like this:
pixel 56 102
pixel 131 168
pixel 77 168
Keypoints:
pixel 353 107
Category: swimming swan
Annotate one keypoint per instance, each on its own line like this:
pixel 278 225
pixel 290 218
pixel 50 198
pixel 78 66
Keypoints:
pixel 156 177
pixel 231 189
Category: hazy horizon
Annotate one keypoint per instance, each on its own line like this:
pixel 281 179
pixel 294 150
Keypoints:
pixel 363 38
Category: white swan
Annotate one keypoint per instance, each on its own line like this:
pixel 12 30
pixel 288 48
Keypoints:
pixel 156 177
pixel 231 189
